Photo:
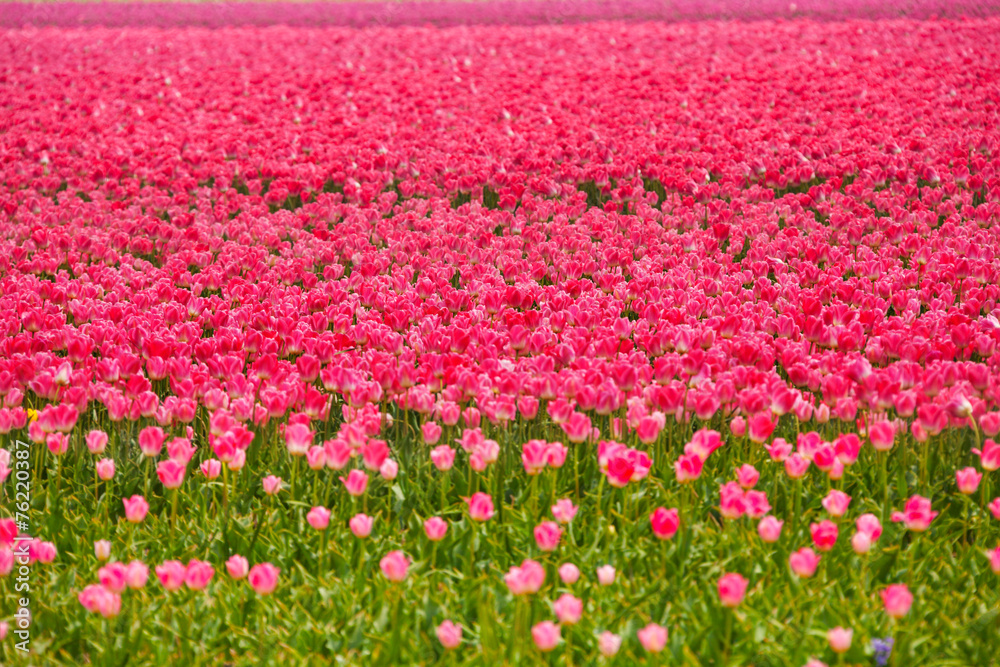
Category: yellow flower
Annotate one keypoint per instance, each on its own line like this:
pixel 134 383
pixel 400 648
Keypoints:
pixel 32 415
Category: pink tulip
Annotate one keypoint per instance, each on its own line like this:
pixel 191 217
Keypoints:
pixel 648 430
pixel 135 508
pixel 836 502
pixel 702 444
pixel 989 457
pixel 870 525
pixel 151 441
pixel 105 469
pixel 577 428
pixel 361 525
pixel 732 501
pixel 388 470
pixel 394 566
pixel 547 535
pixel 546 635
pixel 917 515
pixel 449 634
pixel 665 522
pixel 756 504
pixel 569 573
pixel 238 567
pixel 564 510
pixel 181 450
pixel 238 461
pixel 435 528
pixel 534 456
pixel 172 575
pixel 824 534
pixel 897 600
pixel 967 480
pixel 847 447
pixel 861 543
pixel 356 482
pixel 58 443
pixel 338 453
pixel 760 427
pixel 769 529
pixel 98 599
pixel 606 575
pixel 136 574
pixel 480 506
pixel 994 557
pixel 882 435
pixel 528 578
pixel 171 473
pixel 272 485
pixel 96 442
pixel 732 588
pixel 102 549
pixel 568 609
pixel 840 639
pixel 779 450
pixel 318 518
pixel 688 468
pixel 804 562
pixel 263 578
pixel 211 468
pixel 990 423
pixel 112 577
pixel 747 476
pixel 608 644
pixel 298 439
pixel 443 457
pixel 796 466
pixel 198 574
pixel 432 434
pixel 44 552
pixel 316 457
pixel 994 508
pixel 653 637
pixel 374 453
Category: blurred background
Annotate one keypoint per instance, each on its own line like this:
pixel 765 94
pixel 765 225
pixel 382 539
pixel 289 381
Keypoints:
pixel 366 13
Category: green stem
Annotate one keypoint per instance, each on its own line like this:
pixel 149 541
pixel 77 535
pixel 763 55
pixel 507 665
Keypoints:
pixel 796 498
pixel 729 635
pixel 883 459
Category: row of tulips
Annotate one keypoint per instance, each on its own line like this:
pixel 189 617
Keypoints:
pixel 455 357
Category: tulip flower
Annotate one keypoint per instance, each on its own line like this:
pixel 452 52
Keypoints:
pixel 653 637
pixel 608 644
pixel 449 634
pixel 480 507
pixel 569 573
pixel 606 575
pixel 361 525
pixel 897 600
pixel 135 508
pixel 546 635
pixel 547 535
pixel 732 588
pixel 238 567
pixel 804 562
pixel 840 639
pixel 769 529
pixel 263 578
pixel 394 566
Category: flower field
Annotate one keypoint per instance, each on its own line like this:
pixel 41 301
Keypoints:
pixel 604 343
